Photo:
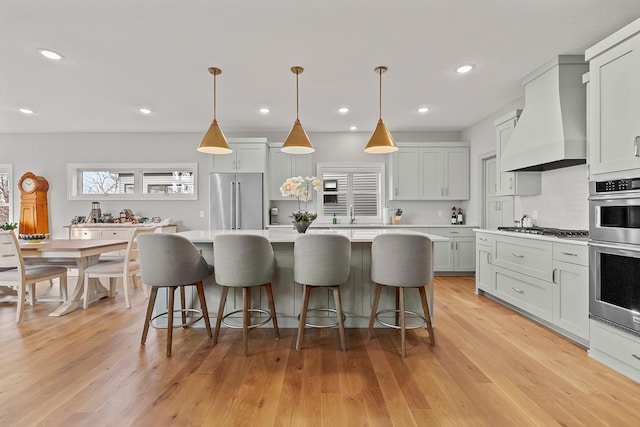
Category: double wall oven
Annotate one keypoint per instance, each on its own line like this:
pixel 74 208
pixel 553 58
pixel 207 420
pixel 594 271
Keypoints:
pixel 614 252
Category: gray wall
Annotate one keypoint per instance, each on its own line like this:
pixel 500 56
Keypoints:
pixel 47 154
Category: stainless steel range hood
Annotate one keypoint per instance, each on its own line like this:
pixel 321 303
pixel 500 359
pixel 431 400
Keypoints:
pixel 551 132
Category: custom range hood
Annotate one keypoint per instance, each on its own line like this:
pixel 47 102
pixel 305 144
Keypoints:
pixel 551 132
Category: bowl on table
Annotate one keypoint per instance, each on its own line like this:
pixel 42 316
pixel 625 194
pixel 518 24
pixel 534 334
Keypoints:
pixel 33 238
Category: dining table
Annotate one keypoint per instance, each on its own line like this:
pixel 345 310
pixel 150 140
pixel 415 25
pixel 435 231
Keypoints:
pixel 78 253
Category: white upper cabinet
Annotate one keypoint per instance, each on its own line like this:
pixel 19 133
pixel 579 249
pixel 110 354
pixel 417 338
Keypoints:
pixel 283 166
pixel 430 171
pixel 614 105
pixel 512 183
pixel 490 178
pixel 247 157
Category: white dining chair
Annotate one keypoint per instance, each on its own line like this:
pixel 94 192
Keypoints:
pixel 14 273
pixel 113 270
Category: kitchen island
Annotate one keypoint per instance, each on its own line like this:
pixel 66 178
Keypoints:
pixel 357 293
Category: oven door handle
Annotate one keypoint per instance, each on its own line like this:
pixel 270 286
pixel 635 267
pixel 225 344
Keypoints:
pixel 616 246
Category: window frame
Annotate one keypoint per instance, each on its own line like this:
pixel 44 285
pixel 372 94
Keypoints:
pixel 352 167
pixel 7 168
pixel 74 181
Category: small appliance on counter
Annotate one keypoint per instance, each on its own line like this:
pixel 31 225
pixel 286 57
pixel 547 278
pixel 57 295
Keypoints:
pixel 273 217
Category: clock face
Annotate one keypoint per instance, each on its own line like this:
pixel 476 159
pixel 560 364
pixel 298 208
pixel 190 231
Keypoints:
pixel 28 184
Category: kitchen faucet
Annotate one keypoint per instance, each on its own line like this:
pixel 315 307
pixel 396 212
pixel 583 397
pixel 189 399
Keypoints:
pixel 351 214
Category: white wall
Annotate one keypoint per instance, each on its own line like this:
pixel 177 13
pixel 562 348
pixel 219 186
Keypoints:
pixel 47 155
pixel 563 202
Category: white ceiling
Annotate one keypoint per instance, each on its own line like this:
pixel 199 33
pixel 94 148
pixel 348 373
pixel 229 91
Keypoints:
pixel 124 54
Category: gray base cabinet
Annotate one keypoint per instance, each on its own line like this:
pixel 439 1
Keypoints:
pixel 546 280
pixel 456 255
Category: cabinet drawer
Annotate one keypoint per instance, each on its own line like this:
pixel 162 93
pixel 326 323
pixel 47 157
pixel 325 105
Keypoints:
pixel 573 254
pixel 617 344
pixel 484 239
pixel 115 234
pixel 527 293
pixel 527 256
pixel 84 234
pixel 453 232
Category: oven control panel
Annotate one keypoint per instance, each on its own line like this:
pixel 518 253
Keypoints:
pixel 618 185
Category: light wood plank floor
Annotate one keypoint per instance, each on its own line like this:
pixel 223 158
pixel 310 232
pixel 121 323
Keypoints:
pixel 490 366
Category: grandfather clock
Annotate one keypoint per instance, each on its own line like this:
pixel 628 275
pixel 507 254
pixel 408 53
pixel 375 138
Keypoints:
pixel 34 213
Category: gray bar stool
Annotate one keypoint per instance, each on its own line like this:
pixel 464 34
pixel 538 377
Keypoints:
pixel 244 261
pixel 172 261
pixel 321 261
pixel 401 261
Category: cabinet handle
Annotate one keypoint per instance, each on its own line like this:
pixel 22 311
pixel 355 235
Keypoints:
pixel 495 187
pixel 451 245
pixel 510 183
pixel 453 232
pixel 553 276
pixel 517 255
pixel 489 257
pixel 446 191
pixel 456 246
pixel 520 291
pixel 480 238
pixel 442 191
pixel 636 356
pixel 499 206
pixel 569 253
pixel 636 147
pixel 238 164
pixel 233 164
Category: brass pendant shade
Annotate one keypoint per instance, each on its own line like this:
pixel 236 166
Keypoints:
pixel 214 141
pixel 297 142
pixel 381 142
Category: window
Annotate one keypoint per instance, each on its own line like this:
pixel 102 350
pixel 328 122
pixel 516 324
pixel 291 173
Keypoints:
pixel 152 181
pixel 6 195
pixel 351 190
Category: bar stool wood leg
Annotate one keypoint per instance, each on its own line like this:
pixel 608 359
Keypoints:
pixel 184 313
pixel 403 323
pixel 203 306
pixel 374 310
pixel 272 309
pixel 306 292
pixel 152 302
pixel 338 302
pixel 246 293
pixel 427 313
pixel 172 291
pixel 223 301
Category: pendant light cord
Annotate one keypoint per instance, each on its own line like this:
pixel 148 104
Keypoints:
pixel 380 73
pixel 297 103
pixel 214 96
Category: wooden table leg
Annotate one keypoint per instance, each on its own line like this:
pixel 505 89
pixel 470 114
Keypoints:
pixel 96 290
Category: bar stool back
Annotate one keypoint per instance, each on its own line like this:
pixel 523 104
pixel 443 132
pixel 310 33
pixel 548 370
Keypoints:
pixel 244 261
pixel 402 261
pixel 321 261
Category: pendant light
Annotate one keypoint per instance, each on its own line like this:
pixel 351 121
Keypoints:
pixel 381 141
pixel 297 142
pixel 214 141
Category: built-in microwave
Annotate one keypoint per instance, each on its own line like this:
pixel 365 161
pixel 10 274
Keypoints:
pixel 614 211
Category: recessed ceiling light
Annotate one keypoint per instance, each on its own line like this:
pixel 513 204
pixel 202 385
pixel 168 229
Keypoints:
pixel 25 111
pixel 343 110
pixel 145 111
pixel 423 110
pixel 353 128
pixel 264 110
pixel 50 54
pixel 463 69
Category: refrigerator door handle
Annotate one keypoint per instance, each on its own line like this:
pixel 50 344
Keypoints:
pixel 238 205
pixel 232 205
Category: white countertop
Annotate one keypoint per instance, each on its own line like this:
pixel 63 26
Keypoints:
pixel 280 235
pixel 582 241
pixel 320 225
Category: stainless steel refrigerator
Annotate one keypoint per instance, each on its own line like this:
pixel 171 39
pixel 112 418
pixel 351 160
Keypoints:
pixel 236 201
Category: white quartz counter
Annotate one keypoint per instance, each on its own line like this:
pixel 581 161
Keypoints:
pixel 582 241
pixel 319 225
pixel 282 235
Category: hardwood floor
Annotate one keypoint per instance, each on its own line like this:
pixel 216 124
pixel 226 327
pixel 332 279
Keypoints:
pixel 490 366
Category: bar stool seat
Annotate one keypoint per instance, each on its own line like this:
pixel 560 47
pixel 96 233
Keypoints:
pixel 321 261
pixel 244 261
pixel 402 261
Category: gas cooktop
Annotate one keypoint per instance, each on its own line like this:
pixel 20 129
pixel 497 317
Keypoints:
pixel 546 231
